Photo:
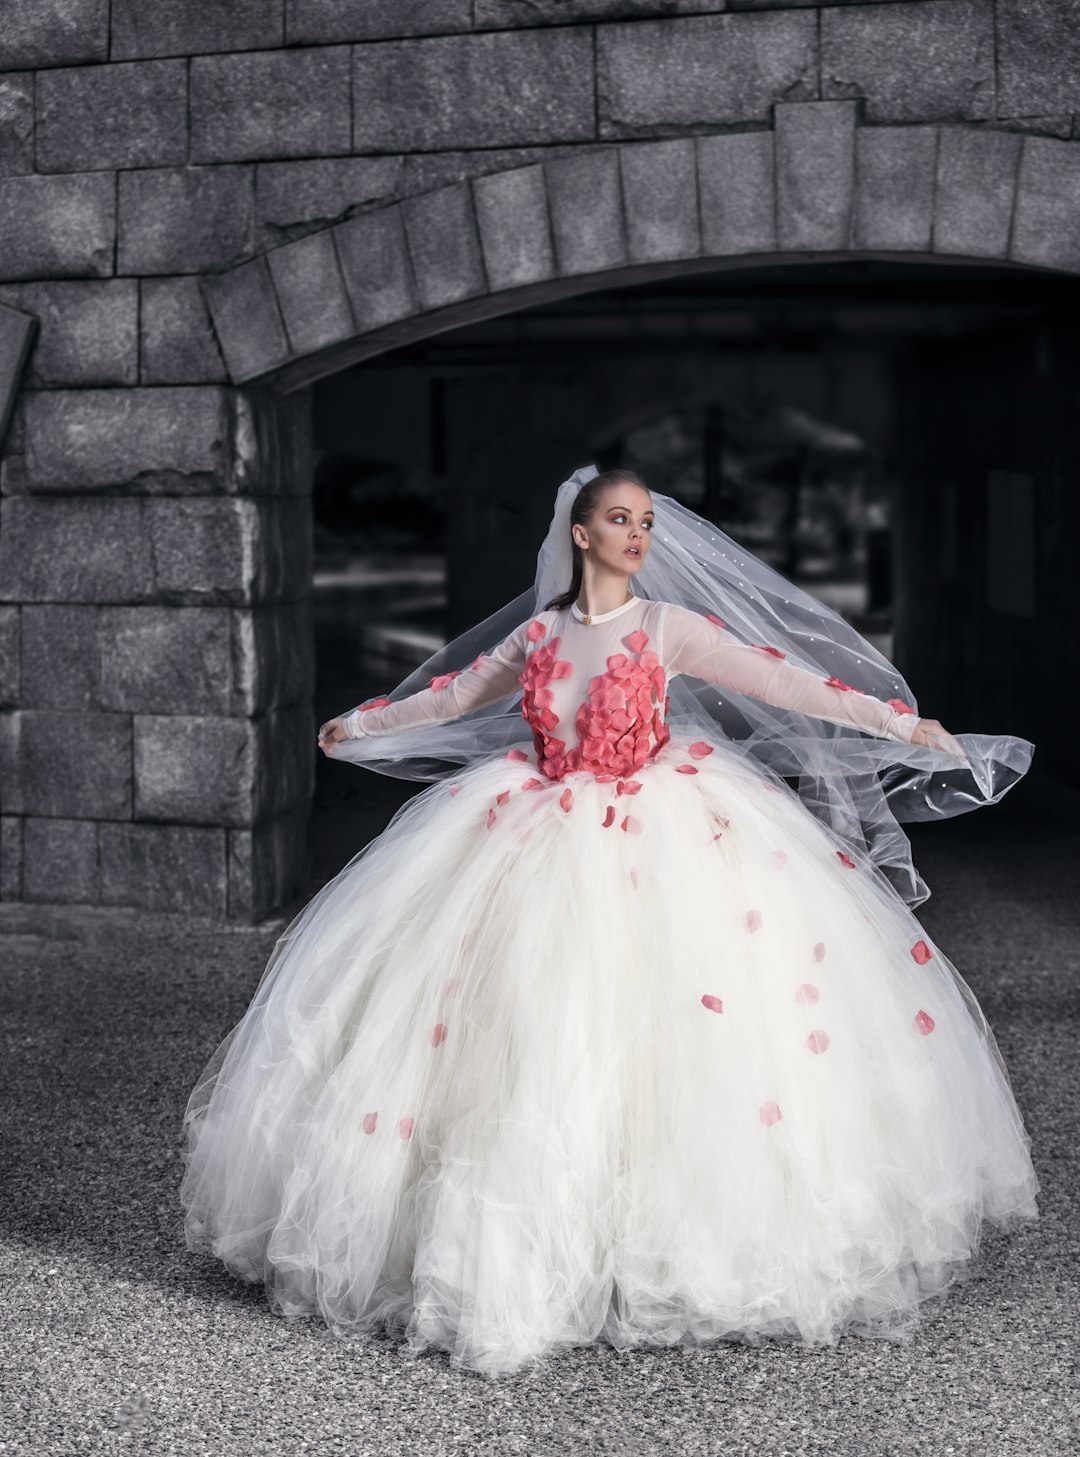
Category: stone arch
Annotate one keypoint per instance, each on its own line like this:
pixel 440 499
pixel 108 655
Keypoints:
pixel 818 184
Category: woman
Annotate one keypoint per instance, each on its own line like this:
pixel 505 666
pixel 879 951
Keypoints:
pixel 612 1034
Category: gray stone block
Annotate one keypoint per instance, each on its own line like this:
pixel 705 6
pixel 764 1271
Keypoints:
pixel 585 196
pixel 172 868
pixel 129 115
pixel 16 124
pixel 493 90
pixel 59 658
pixel 659 186
pixel 293 199
pixel 273 657
pixel 1046 224
pixel 163 660
pixel 1038 57
pixel 53 33
pixel 185 219
pixel 17 334
pixel 60 862
pixel 1059 124
pixel 318 22
pixel 74 551
pixel 57 227
pixel 444 245
pixel 66 765
pixel 924 60
pixel 237 551
pixel 270 104
pixel 515 230
pixel 174 439
pixel 894 196
pixel 658 77
pixel 311 293
pixel 426 171
pixel 11 838
pixel 10 655
pixel 177 343
pixel 193 27
pixel 815 173
pixel 223 771
pixel 196 770
pixel 247 319
pixel 976 186
pixel 737 190
pixel 374 257
pixel 496 13
pixel 268 865
pixel 88 331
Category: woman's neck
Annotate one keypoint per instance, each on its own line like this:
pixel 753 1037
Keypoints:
pixel 603 596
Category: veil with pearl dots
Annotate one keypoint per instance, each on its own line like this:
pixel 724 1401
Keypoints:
pixel 860 785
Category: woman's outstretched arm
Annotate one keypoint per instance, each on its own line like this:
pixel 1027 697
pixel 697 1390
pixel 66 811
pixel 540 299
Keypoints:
pixel 695 645
pixel 488 678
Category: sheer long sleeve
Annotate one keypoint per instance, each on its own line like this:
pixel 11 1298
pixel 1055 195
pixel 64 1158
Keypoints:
pixel 696 646
pixel 488 678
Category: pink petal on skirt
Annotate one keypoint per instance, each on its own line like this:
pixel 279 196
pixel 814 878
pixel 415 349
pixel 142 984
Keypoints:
pixel 845 860
pixel 924 1022
pixel 632 825
pixel 609 817
pixel 921 952
pixel 502 796
pixel 752 920
pixel 518 755
pixel 769 1113
pixel 406 1126
pixel 818 1041
pixel 370 1120
pixel 700 749
pixel 685 769
pixel 714 1004
pixel 819 951
pixel 566 799
pixel 807 993
pixel 490 818
pixel 438 1033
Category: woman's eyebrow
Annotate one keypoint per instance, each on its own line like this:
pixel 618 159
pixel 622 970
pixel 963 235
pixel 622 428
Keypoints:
pixel 648 512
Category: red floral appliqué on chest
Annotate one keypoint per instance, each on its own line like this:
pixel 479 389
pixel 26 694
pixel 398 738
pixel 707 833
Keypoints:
pixel 619 726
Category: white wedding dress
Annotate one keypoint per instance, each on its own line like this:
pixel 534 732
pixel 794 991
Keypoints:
pixel 606 1039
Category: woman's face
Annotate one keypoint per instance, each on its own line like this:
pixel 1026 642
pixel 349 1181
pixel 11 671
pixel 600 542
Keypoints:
pixel 617 537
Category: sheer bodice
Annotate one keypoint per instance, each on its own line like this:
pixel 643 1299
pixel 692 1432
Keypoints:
pixel 594 693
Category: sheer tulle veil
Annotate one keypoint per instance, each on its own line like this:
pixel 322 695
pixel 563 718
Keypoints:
pixel 859 785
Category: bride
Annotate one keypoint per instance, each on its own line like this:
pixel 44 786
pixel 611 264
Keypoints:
pixel 614 1034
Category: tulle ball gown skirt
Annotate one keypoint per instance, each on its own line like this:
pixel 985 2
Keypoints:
pixel 548 1064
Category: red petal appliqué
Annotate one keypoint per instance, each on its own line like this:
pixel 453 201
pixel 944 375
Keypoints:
pixel 406 1126
pixel 818 1041
pixel 752 920
pixel 924 1022
pixel 628 786
pixel 899 705
pixel 769 1113
pixel 456 788
pixel 845 860
pixel 819 951
pixel 370 1120
pixel 807 993
pixel 518 755
pixel 700 750
pixel 638 640
pixel 490 818
pixel 686 769
pixel 438 1033
pixel 775 651
pixel 714 1004
pixel 921 952
pixel 566 799
pixel 536 630
pixel 713 618
pixel 609 817
pixel 631 824
pixel 533 784
pixel 502 796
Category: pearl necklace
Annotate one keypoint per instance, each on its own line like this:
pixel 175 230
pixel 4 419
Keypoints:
pixel 589 618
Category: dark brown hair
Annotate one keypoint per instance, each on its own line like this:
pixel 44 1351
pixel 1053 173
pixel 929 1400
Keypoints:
pixel 581 510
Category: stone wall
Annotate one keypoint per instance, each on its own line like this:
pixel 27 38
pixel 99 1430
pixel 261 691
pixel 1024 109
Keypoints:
pixel 205 207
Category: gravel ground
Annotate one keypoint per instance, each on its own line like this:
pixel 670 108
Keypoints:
pixel 116 1339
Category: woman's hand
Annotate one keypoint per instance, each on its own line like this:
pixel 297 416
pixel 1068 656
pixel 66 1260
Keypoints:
pixel 932 735
pixel 331 733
